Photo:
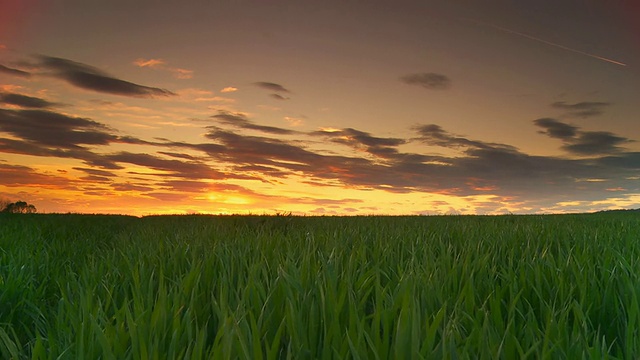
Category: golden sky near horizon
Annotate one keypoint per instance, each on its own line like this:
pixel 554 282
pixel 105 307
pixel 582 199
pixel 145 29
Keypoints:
pixel 320 107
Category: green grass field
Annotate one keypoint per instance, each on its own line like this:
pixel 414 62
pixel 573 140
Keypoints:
pixel 251 287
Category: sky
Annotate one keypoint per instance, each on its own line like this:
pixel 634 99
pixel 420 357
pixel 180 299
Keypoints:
pixel 333 107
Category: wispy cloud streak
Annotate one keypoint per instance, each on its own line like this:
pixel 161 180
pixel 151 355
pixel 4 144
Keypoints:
pixel 559 46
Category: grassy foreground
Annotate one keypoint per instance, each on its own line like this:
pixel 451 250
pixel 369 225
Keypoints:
pixel 115 287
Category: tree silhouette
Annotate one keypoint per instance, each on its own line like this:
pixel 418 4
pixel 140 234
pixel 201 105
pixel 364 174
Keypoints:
pixel 19 207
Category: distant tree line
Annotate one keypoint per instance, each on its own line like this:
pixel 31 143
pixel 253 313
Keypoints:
pixel 18 207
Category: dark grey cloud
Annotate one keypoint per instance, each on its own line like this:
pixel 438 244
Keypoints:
pixel 177 155
pixel 596 143
pixel 556 129
pixel 25 101
pixel 54 129
pixel 435 135
pixel 96 172
pixel 91 78
pixel 400 173
pixel 627 161
pixel 271 86
pixel 244 150
pixel 382 147
pixel 213 150
pixel 172 167
pixel 134 141
pixel 582 109
pixel 131 187
pixel 22 147
pixel 12 71
pixel 278 96
pixel 261 169
pixel 195 186
pixel 95 178
pixel 185 185
pixel 287 158
pixel 50 134
pixel 241 121
pixel 431 81
pixel 50 128
pixel 580 142
pixel 290 158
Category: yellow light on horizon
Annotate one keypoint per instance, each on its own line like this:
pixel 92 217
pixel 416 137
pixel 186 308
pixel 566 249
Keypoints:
pixel 236 200
pixel 226 199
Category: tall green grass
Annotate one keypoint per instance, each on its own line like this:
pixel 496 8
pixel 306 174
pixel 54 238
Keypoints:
pixel 250 287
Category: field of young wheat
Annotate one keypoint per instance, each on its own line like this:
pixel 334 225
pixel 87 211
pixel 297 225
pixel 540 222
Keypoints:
pixel 254 287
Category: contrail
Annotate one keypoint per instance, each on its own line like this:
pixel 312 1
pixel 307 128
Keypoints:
pixel 552 44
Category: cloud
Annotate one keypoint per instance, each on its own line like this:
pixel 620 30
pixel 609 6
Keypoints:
pixel 19 176
pixel 185 186
pixel 25 101
pixel 582 109
pixel 131 187
pixel 293 160
pixel 95 178
pixel 279 158
pixel 12 146
pixel 229 89
pixel 556 129
pixel 15 72
pixel 263 170
pixel 54 129
pixel 431 81
pixel 159 64
pixel 435 135
pixel 580 142
pixel 241 121
pixel 179 73
pixel 258 150
pixel 279 154
pixel 382 147
pixel 294 121
pixel 596 143
pixel 152 63
pixel 96 172
pixel 271 86
pixel 90 78
pixel 176 168
pixel 178 155
pixel 627 161
pixel 278 97
pixel 50 134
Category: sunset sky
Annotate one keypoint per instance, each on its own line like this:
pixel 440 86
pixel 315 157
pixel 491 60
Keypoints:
pixel 346 107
